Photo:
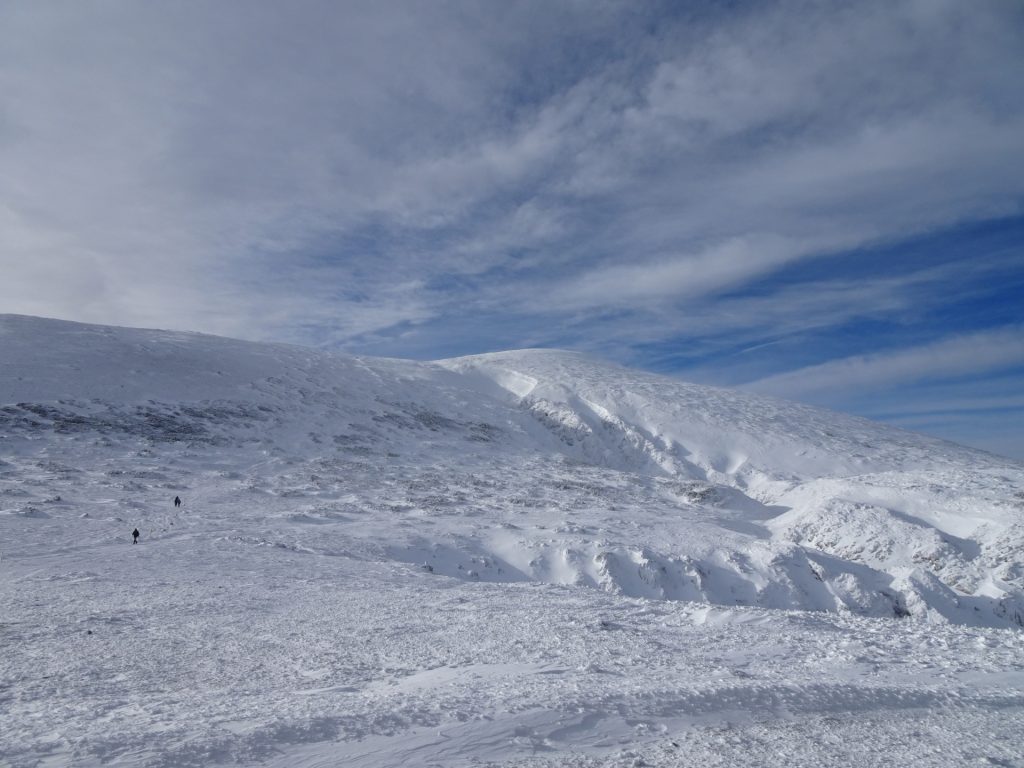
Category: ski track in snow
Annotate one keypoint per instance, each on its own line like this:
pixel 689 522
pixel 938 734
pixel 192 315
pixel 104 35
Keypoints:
pixel 521 559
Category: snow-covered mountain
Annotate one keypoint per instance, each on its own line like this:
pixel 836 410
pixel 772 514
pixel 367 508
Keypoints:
pixel 304 473
pixel 534 465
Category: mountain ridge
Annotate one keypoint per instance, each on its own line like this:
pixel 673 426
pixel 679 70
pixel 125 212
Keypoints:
pixel 523 465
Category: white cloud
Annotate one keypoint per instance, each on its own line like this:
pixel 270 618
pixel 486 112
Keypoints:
pixel 192 165
pixel 732 262
pixel 966 355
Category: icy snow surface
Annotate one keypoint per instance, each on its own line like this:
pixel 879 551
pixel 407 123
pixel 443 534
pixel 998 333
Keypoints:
pixel 520 559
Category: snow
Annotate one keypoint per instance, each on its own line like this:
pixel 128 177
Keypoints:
pixel 527 558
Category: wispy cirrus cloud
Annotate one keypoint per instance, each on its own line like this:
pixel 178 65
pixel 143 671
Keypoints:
pixel 959 356
pixel 177 150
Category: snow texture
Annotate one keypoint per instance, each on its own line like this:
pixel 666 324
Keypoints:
pixel 526 558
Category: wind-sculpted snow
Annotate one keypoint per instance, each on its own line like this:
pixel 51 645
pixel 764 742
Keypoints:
pixel 548 559
pixel 867 506
pixel 738 437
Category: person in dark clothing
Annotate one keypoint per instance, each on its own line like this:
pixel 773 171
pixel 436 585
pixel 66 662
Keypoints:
pixel 177 501
pixel 135 536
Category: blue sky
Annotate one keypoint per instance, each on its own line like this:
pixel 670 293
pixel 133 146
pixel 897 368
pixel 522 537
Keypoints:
pixel 820 201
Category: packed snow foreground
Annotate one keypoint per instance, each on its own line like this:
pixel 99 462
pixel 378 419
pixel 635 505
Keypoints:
pixel 519 559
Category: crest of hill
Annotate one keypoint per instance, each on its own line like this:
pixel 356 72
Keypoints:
pixel 601 411
pixel 719 432
pixel 46 360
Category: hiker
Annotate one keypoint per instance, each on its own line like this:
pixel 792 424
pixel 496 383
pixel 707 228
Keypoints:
pixel 177 501
pixel 135 536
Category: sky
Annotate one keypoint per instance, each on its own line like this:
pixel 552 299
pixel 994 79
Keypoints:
pixel 821 201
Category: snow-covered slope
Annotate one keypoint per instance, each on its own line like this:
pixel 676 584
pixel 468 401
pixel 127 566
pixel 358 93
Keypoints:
pixel 535 465
pixel 887 521
pixel 554 512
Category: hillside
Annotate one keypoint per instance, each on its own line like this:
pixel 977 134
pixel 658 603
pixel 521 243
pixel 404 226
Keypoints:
pixel 554 512
pixel 535 465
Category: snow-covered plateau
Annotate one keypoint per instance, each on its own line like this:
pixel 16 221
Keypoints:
pixel 526 558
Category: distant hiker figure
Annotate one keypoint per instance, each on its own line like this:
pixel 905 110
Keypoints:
pixel 135 536
pixel 177 501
